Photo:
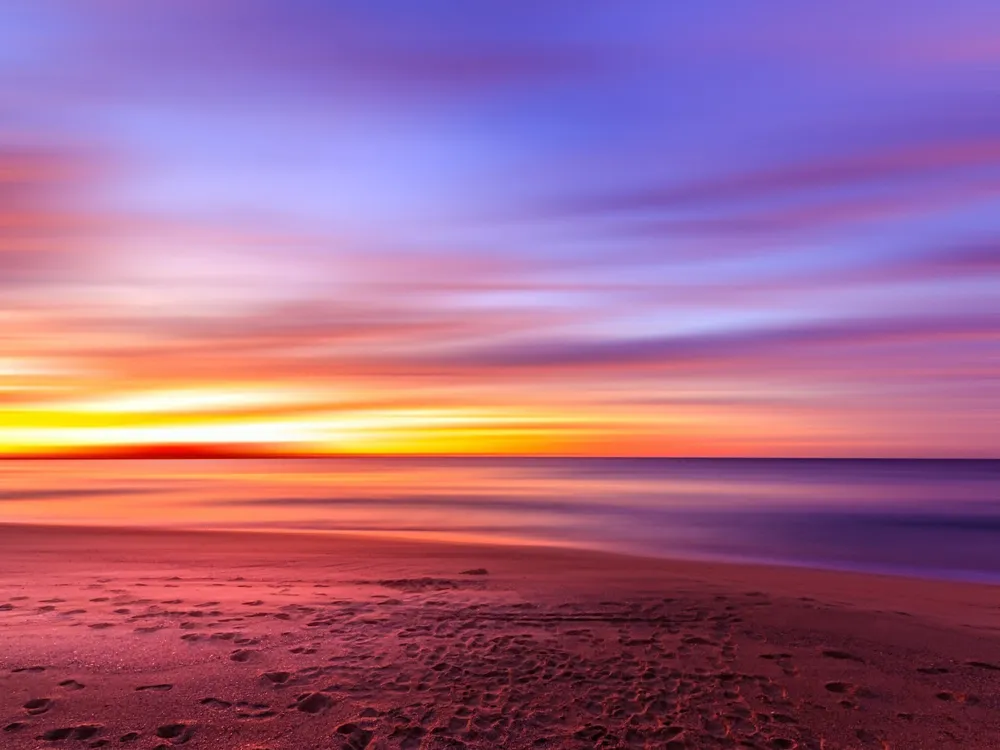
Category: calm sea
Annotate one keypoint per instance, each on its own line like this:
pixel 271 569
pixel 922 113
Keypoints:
pixel 927 518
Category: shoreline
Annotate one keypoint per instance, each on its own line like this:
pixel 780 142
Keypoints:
pixel 899 573
pixel 854 588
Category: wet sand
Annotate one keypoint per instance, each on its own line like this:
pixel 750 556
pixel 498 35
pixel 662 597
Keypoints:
pixel 151 639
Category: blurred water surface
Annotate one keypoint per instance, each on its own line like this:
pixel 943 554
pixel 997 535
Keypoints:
pixel 926 518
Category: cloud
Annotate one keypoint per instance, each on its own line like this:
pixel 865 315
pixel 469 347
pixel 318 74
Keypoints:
pixel 355 49
pixel 943 157
pixel 760 343
pixel 32 496
pixel 42 230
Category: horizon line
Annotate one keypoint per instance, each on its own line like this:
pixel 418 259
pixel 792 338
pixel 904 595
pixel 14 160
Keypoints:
pixel 157 453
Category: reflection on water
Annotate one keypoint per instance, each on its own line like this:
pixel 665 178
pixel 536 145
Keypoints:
pixel 936 518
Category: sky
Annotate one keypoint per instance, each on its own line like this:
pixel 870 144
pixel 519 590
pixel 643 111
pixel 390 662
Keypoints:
pixel 609 228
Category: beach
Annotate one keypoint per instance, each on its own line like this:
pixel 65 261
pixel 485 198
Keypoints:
pixel 206 639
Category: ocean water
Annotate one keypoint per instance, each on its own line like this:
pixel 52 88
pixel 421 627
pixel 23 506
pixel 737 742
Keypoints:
pixel 935 519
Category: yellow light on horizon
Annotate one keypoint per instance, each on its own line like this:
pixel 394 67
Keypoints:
pixel 308 420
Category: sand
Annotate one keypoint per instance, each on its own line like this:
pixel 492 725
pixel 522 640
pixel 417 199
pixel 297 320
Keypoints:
pixel 151 639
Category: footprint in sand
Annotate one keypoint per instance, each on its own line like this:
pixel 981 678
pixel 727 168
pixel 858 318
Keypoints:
pixel 411 736
pixel 984 665
pixel 14 726
pixel 869 738
pixel 242 655
pixel 163 687
pixel 697 640
pixel 128 737
pixel 38 706
pixel 276 678
pixel 176 734
pixel 6 607
pixel 312 703
pixel 246 710
pixel 71 685
pixel 842 655
pixel 215 703
pixel 82 732
pixel 28 669
pixel 946 695
pixel 357 737
pixel 932 670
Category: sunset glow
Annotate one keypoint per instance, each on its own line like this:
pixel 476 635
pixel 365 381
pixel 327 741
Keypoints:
pixel 356 228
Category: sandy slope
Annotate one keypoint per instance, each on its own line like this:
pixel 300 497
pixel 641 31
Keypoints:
pixel 195 640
